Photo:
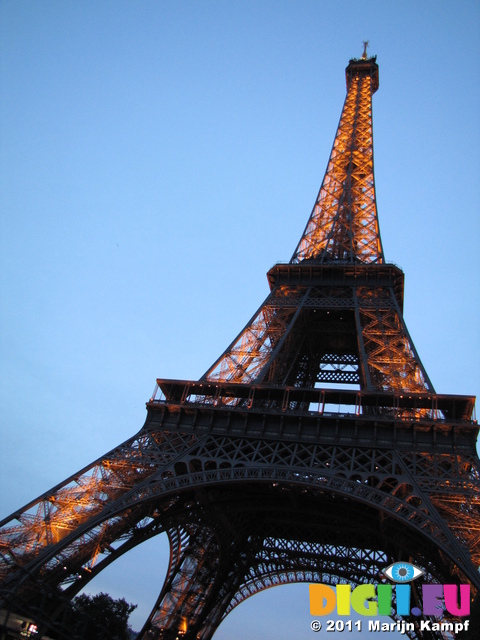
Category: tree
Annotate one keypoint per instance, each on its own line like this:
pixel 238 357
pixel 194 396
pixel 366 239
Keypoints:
pixel 100 617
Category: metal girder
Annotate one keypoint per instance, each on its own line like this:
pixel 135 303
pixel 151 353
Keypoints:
pixel 314 314
pixel 258 473
pixel 343 225
pixel 188 459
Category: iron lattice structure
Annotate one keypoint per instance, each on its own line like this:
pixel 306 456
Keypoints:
pixel 261 473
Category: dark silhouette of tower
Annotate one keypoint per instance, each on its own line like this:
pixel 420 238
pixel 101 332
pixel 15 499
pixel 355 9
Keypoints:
pixel 314 449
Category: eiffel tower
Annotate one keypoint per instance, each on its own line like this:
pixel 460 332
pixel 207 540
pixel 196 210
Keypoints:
pixel 315 448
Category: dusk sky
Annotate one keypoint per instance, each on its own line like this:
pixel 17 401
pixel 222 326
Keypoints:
pixel 157 158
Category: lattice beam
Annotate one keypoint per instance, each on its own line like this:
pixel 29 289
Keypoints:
pixel 258 473
pixel 343 225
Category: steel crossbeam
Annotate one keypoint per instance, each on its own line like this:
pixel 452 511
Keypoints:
pixel 259 473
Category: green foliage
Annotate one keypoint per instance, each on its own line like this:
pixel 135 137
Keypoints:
pixel 100 617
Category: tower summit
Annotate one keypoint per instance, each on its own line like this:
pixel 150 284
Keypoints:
pixel 271 469
pixel 343 225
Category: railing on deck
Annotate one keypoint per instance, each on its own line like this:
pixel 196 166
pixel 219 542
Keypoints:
pixel 413 406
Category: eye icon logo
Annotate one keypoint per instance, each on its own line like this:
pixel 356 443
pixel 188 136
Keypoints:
pixel 403 572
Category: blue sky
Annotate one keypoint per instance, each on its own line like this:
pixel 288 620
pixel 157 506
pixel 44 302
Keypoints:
pixel 157 158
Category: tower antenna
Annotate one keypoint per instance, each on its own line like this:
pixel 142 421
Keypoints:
pixel 365 46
